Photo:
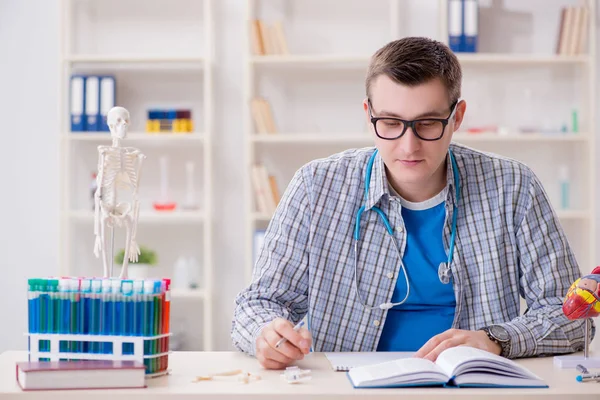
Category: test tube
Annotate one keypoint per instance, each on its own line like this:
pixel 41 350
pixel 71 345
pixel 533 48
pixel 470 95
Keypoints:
pixel 63 310
pixel 96 313
pixel 117 307
pixel 74 304
pixel 128 317
pixel 138 308
pixel 85 309
pixel 106 312
pixel 53 306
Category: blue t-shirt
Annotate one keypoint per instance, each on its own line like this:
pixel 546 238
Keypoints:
pixel 429 309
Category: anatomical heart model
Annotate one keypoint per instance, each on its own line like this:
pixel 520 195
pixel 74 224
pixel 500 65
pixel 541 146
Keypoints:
pixel 583 298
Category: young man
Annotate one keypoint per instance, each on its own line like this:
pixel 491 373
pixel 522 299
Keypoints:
pixel 465 234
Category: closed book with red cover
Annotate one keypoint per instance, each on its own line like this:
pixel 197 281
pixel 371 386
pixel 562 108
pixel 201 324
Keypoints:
pixel 85 374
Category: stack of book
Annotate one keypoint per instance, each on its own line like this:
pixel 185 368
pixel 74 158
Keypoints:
pixel 266 192
pixel 262 116
pixel 573 31
pixel 267 40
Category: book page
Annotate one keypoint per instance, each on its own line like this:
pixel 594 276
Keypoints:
pixel 465 359
pixel 405 370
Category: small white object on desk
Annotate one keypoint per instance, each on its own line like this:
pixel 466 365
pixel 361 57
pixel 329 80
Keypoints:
pixel 296 375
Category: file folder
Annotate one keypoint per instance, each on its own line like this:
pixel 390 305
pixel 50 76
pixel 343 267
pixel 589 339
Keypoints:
pixel 77 103
pixel 92 103
pixel 107 99
pixel 471 25
pixel 455 25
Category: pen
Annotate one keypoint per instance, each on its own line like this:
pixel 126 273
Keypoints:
pixel 587 378
pixel 283 340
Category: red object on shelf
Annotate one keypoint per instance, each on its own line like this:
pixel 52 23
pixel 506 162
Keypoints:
pixel 164 206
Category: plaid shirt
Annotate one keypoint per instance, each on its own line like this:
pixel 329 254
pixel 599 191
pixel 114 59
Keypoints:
pixel 509 243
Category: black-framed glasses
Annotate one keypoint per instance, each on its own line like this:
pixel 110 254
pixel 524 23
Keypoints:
pixel 428 129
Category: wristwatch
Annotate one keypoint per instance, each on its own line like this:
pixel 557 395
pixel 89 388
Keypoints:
pixel 499 334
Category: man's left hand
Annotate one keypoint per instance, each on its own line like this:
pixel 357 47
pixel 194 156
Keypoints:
pixel 457 337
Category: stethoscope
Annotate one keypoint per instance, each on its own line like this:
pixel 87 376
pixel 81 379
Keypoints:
pixel 444 270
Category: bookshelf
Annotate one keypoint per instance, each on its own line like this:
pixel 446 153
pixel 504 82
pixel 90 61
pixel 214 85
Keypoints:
pixel 161 56
pixel 329 74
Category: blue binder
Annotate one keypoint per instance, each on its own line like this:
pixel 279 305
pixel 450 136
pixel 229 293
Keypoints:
pixel 77 103
pixel 92 103
pixel 470 25
pixel 455 25
pixel 108 99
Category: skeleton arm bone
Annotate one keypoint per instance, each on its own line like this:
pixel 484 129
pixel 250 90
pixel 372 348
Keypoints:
pixel 134 249
pixel 97 199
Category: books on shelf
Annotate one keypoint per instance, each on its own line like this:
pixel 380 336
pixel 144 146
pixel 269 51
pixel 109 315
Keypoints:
pixel 460 366
pixel 262 115
pixel 463 25
pixel 87 374
pixel 268 39
pixel 573 31
pixel 266 193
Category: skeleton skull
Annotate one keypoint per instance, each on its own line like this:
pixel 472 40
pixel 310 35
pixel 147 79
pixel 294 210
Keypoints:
pixel 118 121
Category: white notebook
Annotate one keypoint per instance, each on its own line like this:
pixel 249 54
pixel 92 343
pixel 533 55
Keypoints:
pixel 344 361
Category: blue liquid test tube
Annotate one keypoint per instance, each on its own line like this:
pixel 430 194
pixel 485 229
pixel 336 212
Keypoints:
pixel 95 313
pixel 84 312
pixel 63 309
pixel 138 307
pixel 127 320
pixel 127 315
pixel 106 311
pixel 117 307
pixel 75 305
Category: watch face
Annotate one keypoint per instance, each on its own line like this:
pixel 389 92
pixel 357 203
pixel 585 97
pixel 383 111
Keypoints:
pixel 499 333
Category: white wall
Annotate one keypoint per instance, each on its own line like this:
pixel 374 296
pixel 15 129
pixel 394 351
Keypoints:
pixel 28 110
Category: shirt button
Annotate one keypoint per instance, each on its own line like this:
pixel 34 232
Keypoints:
pixel 390 275
pixel 376 322
pixel 399 229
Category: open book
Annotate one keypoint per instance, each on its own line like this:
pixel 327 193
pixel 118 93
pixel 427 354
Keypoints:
pixel 457 367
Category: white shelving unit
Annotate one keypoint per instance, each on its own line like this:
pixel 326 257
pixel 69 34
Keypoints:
pixel 100 37
pixel 282 150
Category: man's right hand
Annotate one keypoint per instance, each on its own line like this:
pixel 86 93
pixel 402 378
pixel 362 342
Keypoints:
pixel 297 345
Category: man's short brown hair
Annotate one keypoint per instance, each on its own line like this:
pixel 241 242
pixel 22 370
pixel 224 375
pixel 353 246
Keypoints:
pixel 413 61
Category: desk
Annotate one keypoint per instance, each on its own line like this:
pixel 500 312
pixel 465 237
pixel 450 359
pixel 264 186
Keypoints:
pixel 325 383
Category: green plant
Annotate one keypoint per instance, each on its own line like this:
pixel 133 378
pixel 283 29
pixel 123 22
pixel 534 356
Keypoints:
pixel 146 256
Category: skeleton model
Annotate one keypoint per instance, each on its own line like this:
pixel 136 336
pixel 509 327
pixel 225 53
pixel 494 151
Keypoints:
pixel 118 170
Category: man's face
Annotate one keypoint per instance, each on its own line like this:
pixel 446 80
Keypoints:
pixel 410 160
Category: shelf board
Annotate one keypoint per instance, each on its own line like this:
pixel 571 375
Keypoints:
pixel 261 217
pixel 175 217
pixel 310 59
pixel 519 137
pixel 132 58
pixel 465 58
pixel 573 214
pixel 137 136
pixel 527 59
pixel 355 138
pixel 366 140
pixel 188 293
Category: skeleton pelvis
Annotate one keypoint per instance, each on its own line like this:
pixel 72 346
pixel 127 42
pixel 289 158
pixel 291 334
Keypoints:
pixel 119 211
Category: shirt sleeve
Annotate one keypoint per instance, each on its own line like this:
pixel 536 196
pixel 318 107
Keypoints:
pixel 548 268
pixel 279 286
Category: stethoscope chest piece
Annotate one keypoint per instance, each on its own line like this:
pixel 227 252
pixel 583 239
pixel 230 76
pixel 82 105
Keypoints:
pixel 444 273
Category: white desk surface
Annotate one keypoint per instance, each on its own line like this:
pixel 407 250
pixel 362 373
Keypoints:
pixel 325 383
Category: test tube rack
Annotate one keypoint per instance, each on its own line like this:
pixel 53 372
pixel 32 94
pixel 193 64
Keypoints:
pixel 100 319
